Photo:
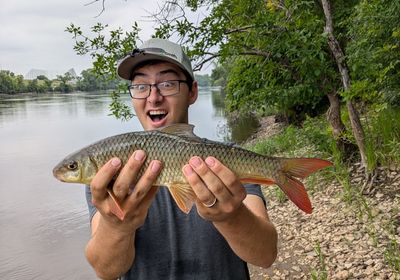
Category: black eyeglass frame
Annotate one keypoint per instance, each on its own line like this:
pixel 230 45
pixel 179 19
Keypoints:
pixel 156 86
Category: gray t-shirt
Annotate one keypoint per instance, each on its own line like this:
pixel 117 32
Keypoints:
pixel 175 245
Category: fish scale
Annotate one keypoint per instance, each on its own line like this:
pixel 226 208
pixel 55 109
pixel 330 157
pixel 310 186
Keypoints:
pixel 174 145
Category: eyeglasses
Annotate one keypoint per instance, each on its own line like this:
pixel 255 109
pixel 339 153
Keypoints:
pixel 166 88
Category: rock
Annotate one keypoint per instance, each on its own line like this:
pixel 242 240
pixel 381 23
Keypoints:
pixel 348 265
pixel 379 195
pixel 369 271
pixel 344 274
pixel 369 262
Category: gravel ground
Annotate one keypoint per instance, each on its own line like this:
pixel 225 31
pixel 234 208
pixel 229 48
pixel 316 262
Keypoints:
pixel 352 245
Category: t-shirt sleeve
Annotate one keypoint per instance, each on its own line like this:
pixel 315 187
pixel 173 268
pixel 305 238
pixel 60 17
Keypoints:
pixel 255 189
pixel 92 209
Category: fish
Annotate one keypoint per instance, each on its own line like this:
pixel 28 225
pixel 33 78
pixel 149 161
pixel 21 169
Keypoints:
pixel 174 145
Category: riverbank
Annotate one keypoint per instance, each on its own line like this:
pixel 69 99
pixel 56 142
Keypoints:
pixel 352 238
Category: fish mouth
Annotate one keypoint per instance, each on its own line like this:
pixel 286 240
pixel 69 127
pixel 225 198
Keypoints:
pixel 157 116
pixel 58 175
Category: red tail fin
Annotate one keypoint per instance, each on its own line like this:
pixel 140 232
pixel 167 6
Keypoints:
pixel 294 189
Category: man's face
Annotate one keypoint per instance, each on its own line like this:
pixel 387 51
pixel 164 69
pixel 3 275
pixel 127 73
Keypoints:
pixel 156 110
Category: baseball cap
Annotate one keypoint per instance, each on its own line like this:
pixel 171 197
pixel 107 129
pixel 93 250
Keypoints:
pixel 159 49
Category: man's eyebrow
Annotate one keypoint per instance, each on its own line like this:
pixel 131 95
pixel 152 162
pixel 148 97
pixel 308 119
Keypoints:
pixel 169 71
pixel 135 74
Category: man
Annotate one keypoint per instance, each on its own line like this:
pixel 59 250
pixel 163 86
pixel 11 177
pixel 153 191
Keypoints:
pixel 229 224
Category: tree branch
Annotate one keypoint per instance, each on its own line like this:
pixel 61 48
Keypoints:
pixel 102 3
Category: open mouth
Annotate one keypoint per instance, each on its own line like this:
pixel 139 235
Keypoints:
pixel 157 115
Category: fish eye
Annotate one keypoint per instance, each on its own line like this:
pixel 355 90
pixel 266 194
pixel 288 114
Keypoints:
pixel 72 165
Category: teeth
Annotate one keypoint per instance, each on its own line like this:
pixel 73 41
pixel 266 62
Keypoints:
pixel 158 112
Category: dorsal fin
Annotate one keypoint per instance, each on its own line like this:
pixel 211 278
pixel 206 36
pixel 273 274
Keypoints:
pixel 180 129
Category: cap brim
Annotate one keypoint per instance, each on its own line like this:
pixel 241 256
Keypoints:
pixel 127 64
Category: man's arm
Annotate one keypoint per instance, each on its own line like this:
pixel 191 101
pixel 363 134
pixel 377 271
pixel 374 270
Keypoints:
pixel 111 249
pixel 242 220
pixel 250 234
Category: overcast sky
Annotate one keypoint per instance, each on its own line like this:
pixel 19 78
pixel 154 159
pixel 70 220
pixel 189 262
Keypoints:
pixel 32 31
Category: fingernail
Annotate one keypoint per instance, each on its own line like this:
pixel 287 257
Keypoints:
pixel 195 162
pixel 187 170
pixel 115 162
pixel 155 166
pixel 139 155
pixel 210 161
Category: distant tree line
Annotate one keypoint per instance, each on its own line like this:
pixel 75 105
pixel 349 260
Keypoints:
pixel 11 83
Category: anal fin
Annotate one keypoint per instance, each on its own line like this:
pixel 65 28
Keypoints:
pixel 183 195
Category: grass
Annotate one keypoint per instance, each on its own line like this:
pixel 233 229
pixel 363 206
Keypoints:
pixel 320 273
pixel 383 137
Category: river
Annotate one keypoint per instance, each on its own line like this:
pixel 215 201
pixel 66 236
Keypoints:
pixel 44 223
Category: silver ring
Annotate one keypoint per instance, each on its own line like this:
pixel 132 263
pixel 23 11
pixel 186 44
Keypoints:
pixel 211 204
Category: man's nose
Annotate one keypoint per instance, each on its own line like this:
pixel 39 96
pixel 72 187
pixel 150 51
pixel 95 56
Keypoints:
pixel 155 95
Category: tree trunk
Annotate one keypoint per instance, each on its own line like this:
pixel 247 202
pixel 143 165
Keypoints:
pixel 338 54
pixel 344 145
pixel 333 115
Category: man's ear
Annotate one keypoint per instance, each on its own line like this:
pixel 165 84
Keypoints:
pixel 193 93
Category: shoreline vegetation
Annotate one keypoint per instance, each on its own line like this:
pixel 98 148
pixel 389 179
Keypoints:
pixel 87 81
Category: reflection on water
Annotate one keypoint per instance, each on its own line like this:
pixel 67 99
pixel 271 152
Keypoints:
pixel 44 223
pixel 242 127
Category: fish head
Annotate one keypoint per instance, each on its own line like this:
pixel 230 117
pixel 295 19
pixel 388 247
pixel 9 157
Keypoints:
pixel 76 168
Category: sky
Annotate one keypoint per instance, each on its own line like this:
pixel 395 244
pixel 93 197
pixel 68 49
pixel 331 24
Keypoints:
pixel 32 32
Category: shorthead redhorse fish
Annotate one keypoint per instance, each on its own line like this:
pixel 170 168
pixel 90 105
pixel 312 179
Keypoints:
pixel 174 145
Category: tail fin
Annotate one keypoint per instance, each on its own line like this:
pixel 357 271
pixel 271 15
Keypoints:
pixel 286 179
pixel 293 188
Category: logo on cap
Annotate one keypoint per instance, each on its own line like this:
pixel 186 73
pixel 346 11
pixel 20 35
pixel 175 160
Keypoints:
pixel 136 52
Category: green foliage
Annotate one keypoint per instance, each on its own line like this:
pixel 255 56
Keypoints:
pixel 65 83
pixel 203 80
pixel 91 82
pixel 310 141
pixel 276 53
pixel 383 132
pixel 219 75
pixel 11 83
pixel 106 47
pixel 373 53
pixel 320 273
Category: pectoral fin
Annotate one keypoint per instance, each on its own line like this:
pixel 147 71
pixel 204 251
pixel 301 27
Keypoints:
pixel 183 195
pixel 115 207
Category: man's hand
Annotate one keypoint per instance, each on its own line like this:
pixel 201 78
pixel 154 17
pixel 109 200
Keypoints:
pixel 211 180
pixel 133 194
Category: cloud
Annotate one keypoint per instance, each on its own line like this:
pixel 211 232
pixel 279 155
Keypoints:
pixel 33 32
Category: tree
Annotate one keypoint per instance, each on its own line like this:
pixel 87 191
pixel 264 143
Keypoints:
pixel 6 82
pixel 373 53
pixel 339 56
pixel 105 51
pixel 64 83
pixel 203 80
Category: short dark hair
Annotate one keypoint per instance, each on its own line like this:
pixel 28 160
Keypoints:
pixel 158 61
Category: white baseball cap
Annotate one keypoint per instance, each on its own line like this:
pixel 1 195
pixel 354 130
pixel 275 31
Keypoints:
pixel 155 49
